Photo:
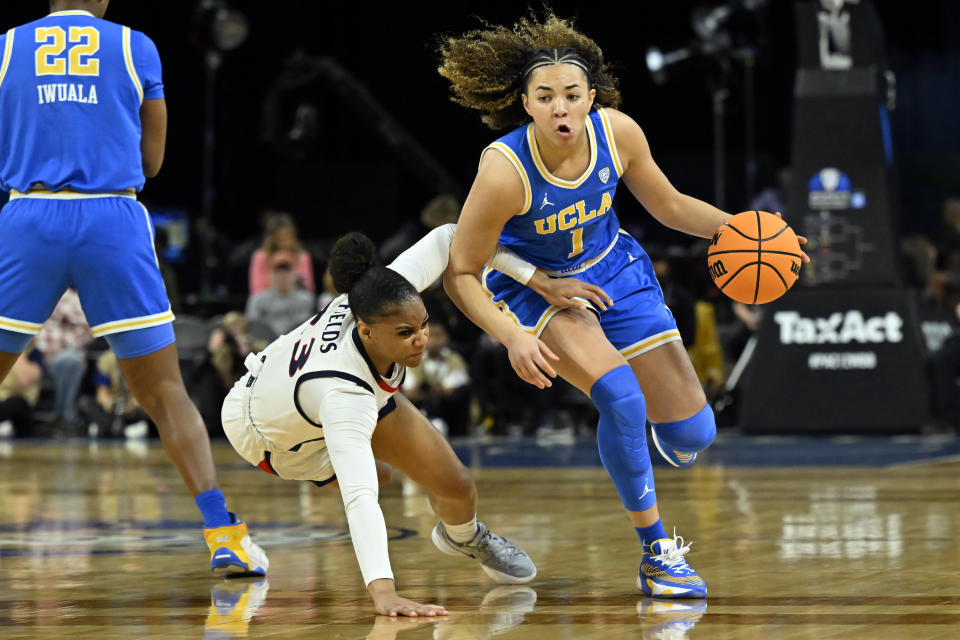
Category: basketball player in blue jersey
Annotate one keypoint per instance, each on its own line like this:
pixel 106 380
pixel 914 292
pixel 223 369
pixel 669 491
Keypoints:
pixel 546 191
pixel 84 122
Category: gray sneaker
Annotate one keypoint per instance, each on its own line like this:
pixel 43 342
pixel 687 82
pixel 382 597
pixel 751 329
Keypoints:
pixel 499 558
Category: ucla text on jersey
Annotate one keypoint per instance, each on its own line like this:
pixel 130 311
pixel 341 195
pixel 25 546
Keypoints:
pixel 564 224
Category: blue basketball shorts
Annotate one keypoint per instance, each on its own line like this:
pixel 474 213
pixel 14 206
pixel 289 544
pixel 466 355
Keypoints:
pixel 100 244
pixel 638 321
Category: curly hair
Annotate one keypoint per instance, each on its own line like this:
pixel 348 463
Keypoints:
pixel 487 68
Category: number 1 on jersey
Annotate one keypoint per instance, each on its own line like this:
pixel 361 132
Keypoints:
pixel 577 241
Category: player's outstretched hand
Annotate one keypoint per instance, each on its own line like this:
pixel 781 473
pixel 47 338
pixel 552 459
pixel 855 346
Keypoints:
pixel 560 292
pixel 388 603
pixel 387 628
pixel 529 357
pixel 801 239
pixel 396 606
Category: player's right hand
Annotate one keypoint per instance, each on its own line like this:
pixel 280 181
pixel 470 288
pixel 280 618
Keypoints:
pixel 529 357
pixel 393 605
pixel 386 628
pixel 388 603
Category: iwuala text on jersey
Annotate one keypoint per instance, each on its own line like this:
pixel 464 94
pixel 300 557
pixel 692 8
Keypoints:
pixel 67 92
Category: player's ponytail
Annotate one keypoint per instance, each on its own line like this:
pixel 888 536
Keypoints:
pixel 373 290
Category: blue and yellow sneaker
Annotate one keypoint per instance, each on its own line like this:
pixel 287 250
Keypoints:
pixel 233 553
pixel 665 574
pixel 233 604
pixel 674 457
pixel 673 619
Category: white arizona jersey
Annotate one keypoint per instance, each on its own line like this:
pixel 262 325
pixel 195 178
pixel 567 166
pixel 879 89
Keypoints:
pixel 326 349
pixel 309 405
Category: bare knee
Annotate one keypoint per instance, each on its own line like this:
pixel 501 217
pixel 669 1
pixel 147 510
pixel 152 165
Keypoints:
pixel 166 402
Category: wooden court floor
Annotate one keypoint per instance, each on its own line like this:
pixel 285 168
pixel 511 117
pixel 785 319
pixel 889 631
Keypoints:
pixel 101 541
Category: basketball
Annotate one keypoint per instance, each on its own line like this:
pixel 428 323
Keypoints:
pixel 754 257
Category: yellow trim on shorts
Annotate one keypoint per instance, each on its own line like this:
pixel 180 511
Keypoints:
pixel 7 54
pixel 505 308
pixel 535 330
pixel 515 160
pixel 129 324
pixel 652 342
pixel 542 168
pixel 608 130
pixel 20 326
pixel 128 57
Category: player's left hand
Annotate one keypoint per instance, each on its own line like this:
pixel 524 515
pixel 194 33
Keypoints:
pixel 529 357
pixel 561 292
pixel 801 239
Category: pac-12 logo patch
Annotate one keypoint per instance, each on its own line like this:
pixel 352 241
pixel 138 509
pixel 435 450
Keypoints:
pixel 604 175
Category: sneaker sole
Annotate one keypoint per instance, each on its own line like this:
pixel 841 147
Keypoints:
pixel 652 588
pixel 235 571
pixel 233 567
pixel 442 545
pixel 506 578
pixel 496 576
pixel 656 443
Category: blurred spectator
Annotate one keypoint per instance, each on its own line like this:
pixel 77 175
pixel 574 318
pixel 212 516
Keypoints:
pixel 919 257
pixel 328 293
pixel 114 412
pixel 229 344
pixel 773 199
pixel 440 386
pixel 677 296
pixel 949 245
pixel 747 321
pixel 506 402
pixel 442 209
pixel 62 342
pixel 281 305
pixel 170 282
pixel 945 366
pixel 19 392
pixel 281 237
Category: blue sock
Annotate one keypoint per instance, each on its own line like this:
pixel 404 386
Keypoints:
pixel 213 506
pixel 649 534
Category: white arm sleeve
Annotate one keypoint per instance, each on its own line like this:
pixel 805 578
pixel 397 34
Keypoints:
pixel 425 261
pixel 509 263
pixel 349 418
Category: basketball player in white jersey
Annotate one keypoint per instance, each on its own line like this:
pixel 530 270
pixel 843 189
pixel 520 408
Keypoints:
pixel 320 404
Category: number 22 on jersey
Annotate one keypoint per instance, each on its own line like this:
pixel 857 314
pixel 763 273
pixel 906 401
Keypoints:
pixel 83 42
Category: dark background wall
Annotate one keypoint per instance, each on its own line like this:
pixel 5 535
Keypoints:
pixel 350 178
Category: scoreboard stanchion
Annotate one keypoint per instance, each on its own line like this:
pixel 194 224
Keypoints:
pixel 843 352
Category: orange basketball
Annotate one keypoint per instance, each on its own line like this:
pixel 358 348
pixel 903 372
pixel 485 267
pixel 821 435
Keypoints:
pixel 754 257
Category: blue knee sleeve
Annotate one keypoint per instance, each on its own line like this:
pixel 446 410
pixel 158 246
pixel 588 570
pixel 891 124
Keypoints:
pixel 622 437
pixel 690 435
pixel 14 341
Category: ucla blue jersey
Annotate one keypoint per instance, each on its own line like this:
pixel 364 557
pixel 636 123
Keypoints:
pixel 564 224
pixel 568 228
pixel 71 87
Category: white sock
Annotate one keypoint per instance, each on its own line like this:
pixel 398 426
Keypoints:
pixel 462 532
